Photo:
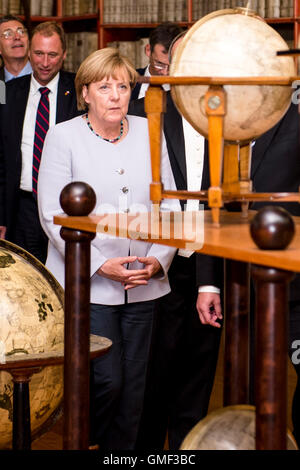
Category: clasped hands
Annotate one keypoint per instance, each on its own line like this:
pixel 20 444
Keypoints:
pixel 117 269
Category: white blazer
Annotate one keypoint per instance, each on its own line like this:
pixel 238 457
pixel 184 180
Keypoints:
pixel 120 176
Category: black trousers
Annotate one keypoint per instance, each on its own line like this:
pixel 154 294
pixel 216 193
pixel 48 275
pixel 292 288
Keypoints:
pixel 118 378
pixel 182 366
pixel 27 231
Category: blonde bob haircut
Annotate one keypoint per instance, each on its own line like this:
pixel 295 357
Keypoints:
pixel 101 64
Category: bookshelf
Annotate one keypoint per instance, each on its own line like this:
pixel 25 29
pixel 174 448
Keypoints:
pixel 79 18
pixel 113 21
pixel 140 16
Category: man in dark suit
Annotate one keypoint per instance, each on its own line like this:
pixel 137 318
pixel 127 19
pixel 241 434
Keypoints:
pixel 184 351
pixel 160 40
pixel 276 168
pixel 19 220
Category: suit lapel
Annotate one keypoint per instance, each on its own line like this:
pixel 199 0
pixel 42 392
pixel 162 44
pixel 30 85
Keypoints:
pixel 205 173
pixel 136 90
pixel 20 99
pixel 174 134
pixel 65 98
pixel 260 147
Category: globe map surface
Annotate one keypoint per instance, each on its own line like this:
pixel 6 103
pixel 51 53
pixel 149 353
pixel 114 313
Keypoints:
pixel 228 428
pixel 31 321
pixel 230 43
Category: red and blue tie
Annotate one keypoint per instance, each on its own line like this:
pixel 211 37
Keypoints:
pixel 41 128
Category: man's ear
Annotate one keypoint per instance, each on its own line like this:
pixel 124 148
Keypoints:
pixel 147 50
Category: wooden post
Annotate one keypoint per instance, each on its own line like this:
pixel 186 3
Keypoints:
pixel 245 174
pixel 215 110
pixel 21 408
pixel 77 199
pixel 271 357
pixel 272 228
pixel 236 359
pixel 155 105
pixel 231 168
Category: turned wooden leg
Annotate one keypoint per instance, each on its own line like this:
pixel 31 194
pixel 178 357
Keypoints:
pixel 271 356
pixel 236 367
pixel 215 103
pixel 21 408
pixel 77 199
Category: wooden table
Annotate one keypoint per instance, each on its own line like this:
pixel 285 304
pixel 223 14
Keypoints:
pixel 271 271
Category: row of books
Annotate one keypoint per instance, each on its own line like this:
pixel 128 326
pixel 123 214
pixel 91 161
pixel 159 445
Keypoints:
pixel 13 7
pixel 265 8
pixel 153 11
pixel 148 11
pixel 79 7
pixel 41 8
pixel 79 46
pixel 37 7
pixel 134 50
pixel 47 7
pixel 144 11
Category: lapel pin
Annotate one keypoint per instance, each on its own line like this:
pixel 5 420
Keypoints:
pixel 67 93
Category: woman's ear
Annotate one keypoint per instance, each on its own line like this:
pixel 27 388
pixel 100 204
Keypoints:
pixel 84 92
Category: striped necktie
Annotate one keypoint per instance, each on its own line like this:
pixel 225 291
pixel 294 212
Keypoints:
pixel 41 128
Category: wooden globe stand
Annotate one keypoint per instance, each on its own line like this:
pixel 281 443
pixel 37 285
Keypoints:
pixel 229 162
pixel 21 368
pixel 271 270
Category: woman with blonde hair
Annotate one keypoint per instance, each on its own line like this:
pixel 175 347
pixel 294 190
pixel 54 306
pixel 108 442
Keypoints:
pixel 110 151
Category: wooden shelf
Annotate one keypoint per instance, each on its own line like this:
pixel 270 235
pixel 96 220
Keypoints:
pixel 63 19
pixel 231 240
pixel 117 31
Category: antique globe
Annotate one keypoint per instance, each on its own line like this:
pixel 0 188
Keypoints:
pixel 31 321
pixel 228 428
pixel 233 43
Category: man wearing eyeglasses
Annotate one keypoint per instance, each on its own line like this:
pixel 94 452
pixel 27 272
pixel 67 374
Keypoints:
pixel 160 40
pixel 14 47
pixel 187 327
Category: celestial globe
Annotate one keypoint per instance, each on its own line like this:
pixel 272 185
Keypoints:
pixel 31 322
pixel 228 428
pixel 233 43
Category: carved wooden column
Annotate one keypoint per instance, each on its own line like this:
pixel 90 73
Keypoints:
pixel 271 323
pixel 215 105
pixel 271 228
pixel 155 107
pixel 77 199
pixel 236 363
pixel 21 408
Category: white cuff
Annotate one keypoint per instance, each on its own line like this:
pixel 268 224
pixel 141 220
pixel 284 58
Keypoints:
pixel 213 289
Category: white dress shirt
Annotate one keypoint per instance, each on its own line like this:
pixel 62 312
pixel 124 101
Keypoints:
pixel 29 126
pixel 26 70
pixel 194 151
pixel 144 86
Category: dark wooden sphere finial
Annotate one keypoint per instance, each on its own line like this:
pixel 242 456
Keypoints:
pixel 77 199
pixel 272 228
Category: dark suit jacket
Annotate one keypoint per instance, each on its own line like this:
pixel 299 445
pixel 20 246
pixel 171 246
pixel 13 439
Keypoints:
pixel 136 90
pixel 276 167
pixel 208 268
pixel 12 116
